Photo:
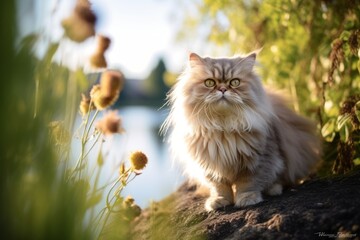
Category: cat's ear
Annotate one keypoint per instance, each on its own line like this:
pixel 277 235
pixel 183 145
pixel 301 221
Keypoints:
pixel 248 62
pixel 195 60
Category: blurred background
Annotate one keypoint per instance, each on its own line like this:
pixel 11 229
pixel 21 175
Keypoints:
pixel 310 49
pixel 145 49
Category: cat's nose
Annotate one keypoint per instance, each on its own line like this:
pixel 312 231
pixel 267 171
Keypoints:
pixel 222 89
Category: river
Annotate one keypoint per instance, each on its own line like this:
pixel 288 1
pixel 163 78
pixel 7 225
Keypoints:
pixel 160 177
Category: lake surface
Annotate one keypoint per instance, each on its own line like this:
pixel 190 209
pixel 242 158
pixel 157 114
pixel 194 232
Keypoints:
pixel 160 177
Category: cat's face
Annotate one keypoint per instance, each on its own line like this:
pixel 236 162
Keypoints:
pixel 221 84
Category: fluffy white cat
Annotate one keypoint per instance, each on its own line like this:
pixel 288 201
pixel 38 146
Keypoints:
pixel 235 137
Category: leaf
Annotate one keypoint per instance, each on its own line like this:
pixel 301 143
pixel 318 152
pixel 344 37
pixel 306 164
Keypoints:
pixel 51 52
pixel 328 131
pixel 29 41
pixel 357 110
pixel 345 35
pixel 343 119
pixel 100 159
pixel 345 132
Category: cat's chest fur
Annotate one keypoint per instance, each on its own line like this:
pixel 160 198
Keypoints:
pixel 223 155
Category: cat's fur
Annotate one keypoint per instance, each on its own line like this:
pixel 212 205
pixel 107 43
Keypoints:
pixel 239 140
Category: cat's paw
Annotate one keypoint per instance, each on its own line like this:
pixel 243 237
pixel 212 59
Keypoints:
pixel 274 190
pixel 247 198
pixel 213 203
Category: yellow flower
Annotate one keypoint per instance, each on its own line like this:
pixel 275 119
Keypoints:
pixel 110 124
pixel 138 160
pixel 131 210
pixel 129 201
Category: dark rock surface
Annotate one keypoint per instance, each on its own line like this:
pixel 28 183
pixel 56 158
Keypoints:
pixel 325 208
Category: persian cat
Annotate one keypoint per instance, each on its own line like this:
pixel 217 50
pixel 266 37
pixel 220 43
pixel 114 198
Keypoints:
pixel 233 135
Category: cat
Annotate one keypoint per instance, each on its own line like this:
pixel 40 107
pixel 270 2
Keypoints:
pixel 234 136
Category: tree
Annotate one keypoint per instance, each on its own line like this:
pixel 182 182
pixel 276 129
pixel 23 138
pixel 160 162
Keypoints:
pixel 310 48
pixel 154 84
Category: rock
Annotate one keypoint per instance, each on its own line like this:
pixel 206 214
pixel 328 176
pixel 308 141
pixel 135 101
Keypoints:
pixel 315 209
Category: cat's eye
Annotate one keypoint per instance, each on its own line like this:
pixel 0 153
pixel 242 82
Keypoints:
pixel 235 82
pixel 209 82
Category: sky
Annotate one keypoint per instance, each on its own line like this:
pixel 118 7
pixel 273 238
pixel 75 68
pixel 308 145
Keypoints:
pixel 141 31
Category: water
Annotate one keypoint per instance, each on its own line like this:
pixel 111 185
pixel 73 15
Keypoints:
pixel 160 177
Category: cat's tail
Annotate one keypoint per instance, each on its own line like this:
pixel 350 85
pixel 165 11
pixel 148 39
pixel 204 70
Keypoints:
pixel 299 143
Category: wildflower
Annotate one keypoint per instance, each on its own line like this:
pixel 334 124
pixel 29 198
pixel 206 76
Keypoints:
pixel 103 43
pixel 99 102
pixel 111 84
pixel 131 209
pixel 107 92
pixel 85 105
pixel 98 60
pixel 81 24
pixel 110 124
pixel 138 160
pixel 129 201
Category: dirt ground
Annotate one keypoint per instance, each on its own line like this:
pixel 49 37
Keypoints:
pixel 325 208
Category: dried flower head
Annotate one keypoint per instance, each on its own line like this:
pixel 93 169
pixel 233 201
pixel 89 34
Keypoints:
pixel 350 106
pixel 138 160
pixel 85 105
pixel 111 83
pixel 336 57
pixel 81 24
pixel 97 60
pixel 83 10
pixel 129 201
pixel 103 43
pixel 107 92
pixel 131 210
pixel 354 41
pixel 95 95
pixel 101 102
pixel 110 124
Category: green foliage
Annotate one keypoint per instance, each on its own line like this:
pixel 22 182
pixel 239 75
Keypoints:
pixel 36 201
pixel 310 48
